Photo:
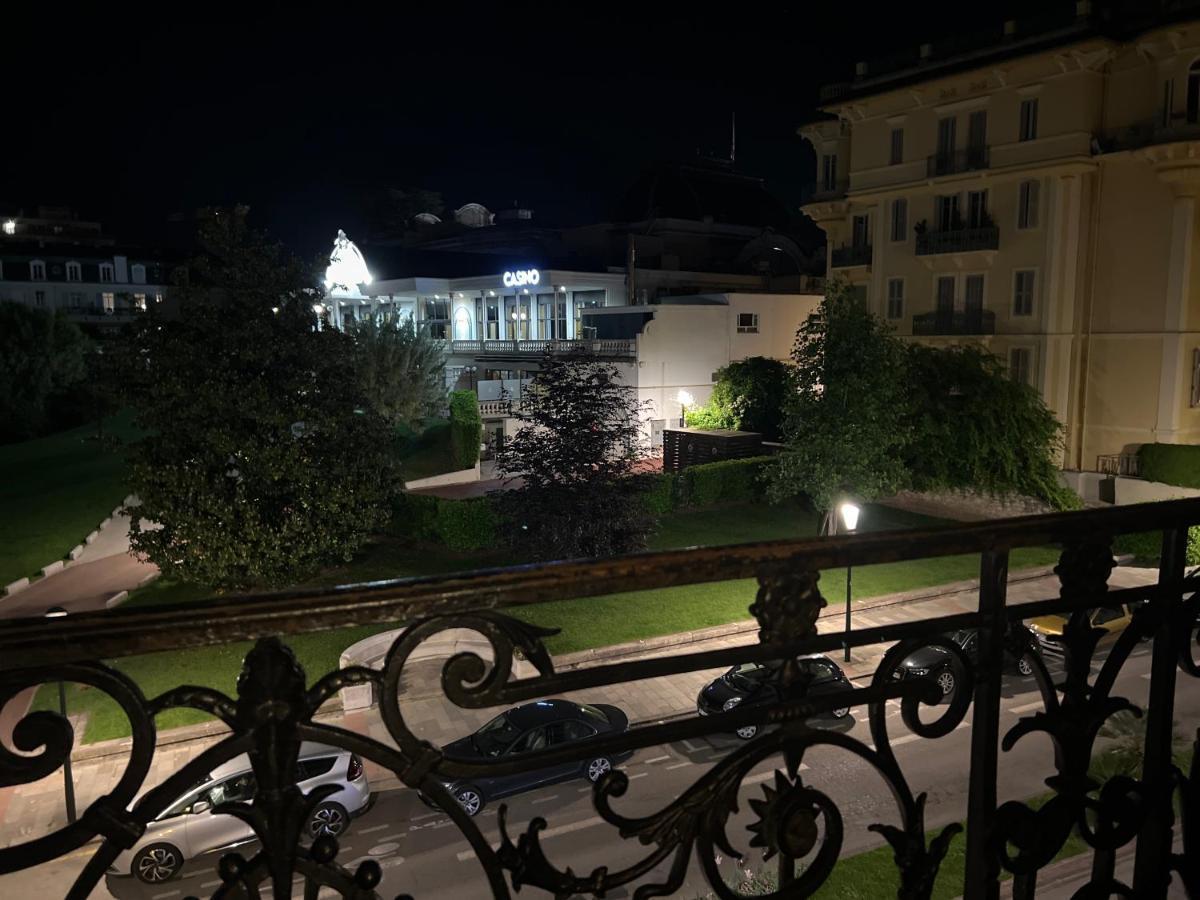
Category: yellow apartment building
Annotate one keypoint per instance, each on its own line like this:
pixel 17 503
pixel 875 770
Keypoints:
pixel 1034 189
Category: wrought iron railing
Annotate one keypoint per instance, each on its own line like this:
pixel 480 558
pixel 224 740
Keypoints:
pixel 799 824
pixel 1119 464
pixel 982 321
pixel 959 240
pixel 601 347
pixel 850 255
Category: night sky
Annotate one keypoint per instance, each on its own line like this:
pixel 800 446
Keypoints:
pixel 305 112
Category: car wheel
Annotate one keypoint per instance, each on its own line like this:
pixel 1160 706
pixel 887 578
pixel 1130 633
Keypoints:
pixel 598 768
pixel 1024 666
pixel 945 680
pixel 157 863
pixel 470 800
pixel 328 818
pixel 747 731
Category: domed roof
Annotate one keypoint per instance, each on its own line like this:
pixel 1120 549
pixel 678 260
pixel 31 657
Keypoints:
pixel 697 191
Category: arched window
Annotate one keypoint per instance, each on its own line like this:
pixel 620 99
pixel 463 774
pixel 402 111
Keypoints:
pixel 37 270
pixel 1193 93
pixel 74 272
pixel 138 273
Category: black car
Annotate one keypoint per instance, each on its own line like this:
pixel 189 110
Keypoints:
pixel 756 684
pixel 526 729
pixel 937 663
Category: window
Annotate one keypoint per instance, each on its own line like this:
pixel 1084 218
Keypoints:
pixel 977 214
pixel 1018 364
pixel 945 295
pixel 569 730
pixel 76 299
pixel 139 300
pixel 158 298
pixel 437 316
pixel 137 274
pixel 829 172
pixel 1023 281
pixel 530 741
pixel 747 323
pixel 1029 117
pixel 1168 102
pixel 948 218
pixel 39 298
pixel 1193 93
pixel 546 320
pixel 108 301
pixel 897 155
pixel 74 272
pixel 1027 204
pixel 1106 614
pixel 973 295
pixel 313 768
pixel 585 300
pixel 106 273
pixel 895 298
pixel 946 137
pixel 860 235
pixel 899 219
pixel 37 270
pixel 977 129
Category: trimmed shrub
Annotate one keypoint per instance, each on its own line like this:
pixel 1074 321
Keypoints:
pixel 458 524
pixel 466 428
pixel 1177 464
pixel 1146 546
pixel 725 481
pixel 659 497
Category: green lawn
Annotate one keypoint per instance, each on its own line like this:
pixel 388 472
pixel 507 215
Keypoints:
pixel 55 490
pixel 590 622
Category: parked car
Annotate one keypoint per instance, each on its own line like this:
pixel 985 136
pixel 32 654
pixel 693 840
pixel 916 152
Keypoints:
pixel 937 662
pixel 189 827
pixel 1112 619
pixel 755 684
pixel 526 729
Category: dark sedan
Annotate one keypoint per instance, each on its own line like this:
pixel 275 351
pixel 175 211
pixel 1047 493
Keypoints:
pixel 937 663
pixel 756 684
pixel 527 729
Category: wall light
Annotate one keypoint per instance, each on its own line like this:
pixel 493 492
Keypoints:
pixel 10 227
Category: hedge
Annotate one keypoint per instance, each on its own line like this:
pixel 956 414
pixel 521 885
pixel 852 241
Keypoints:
pixel 1177 464
pixel 725 481
pixel 466 428
pixel 458 524
pixel 1146 546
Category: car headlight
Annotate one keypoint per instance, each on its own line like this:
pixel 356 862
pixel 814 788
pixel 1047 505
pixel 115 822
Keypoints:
pixel 731 703
pixel 918 672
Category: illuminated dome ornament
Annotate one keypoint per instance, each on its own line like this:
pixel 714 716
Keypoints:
pixel 347 270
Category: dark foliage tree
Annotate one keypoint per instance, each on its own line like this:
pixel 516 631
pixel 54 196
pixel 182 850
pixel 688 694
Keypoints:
pixel 847 425
pixel 401 370
pixel 750 395
pixel 43 357
pixel 977 428
pixel 261 462
pixel 574 456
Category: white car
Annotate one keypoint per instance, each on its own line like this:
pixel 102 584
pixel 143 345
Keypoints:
pixel 188 827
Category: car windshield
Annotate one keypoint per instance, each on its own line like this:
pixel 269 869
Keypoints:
pixel 494 737
pixel 594 714
pixel 747 676
pixel 960 637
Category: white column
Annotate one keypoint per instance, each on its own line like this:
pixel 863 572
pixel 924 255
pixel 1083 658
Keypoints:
pixel 533 316
pixel 1179 276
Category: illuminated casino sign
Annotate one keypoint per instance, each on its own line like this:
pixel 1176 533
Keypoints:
pixel 522 277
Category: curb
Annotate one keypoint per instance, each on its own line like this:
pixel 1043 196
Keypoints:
pixel 116 599
pixel 72 555
pixel 16 586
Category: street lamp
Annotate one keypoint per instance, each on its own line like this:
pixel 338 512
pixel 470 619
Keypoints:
pixel 57 612
pixel 685 400
pixel 849 514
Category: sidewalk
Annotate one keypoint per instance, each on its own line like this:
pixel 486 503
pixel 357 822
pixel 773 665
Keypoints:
pixel 28 811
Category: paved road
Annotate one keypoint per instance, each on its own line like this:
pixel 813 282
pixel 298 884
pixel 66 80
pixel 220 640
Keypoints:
pixel 422 852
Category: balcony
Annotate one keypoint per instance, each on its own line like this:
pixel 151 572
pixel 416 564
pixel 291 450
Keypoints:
pixel 850 255
pixel 276 704
pixel 981 321
pixel 1149 132
pixel 614 349
pixel 969 160
pixel 815 191
pixel 958 240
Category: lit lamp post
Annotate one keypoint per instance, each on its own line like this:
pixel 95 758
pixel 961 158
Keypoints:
pixel 849 513
pixel 57 612
pixel 685 400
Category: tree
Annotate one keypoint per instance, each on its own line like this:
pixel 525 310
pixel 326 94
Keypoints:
pixel 260 461
pixel 43 356
pixel 847 425
pixel 391 212
pixel 976 428
pixel 574 455
pixel 750 395
pixel 401 370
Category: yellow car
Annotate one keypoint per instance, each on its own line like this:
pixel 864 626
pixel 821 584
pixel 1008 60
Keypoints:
pixel 1112 619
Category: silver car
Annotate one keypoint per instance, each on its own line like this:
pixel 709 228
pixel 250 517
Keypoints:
pixel 188 827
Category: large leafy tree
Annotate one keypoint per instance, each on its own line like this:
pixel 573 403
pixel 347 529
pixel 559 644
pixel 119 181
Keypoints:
pixel 847 423
pixel 573 459
pixel 401 370
pixel 43 356
pixel 260 460
pixel 750 395
pixel 977 428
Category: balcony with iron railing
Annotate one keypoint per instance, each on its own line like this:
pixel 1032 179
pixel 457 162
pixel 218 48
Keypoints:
pixel 971 159
pixel 1150 131
pixel 817 191
pixel 958 240
pixel 1124 464
pixel 612 348
pixel 849 255
pixel 981 321
pixel 648 846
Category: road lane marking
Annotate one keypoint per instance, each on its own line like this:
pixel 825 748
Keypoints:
pixel 393 837
pixel 546 799
pixel 464 855
pixel 206 884
pixel 631 777
pixel 167 894
pixel 679 765
pixel 373 828
pixel 425 816
pixel 1026 707
pixel 658 759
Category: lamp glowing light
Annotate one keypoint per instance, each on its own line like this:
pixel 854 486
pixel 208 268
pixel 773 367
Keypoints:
pixel 686 399
pixel 10 227
pixel 849 513
pixel 318 308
